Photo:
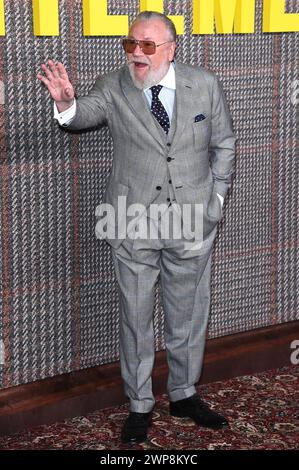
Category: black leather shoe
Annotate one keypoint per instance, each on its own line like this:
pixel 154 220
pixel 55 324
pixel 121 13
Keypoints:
pixel 195 408
pixel 135 428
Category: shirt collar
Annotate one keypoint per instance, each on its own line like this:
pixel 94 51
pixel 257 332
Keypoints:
pixel 168 81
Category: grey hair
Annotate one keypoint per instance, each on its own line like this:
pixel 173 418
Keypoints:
pixel 154 15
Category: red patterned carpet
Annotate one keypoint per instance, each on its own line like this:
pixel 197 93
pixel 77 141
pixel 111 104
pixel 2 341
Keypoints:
pixel 262 410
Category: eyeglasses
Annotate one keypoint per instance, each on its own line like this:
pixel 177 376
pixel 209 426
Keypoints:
pixel 148 47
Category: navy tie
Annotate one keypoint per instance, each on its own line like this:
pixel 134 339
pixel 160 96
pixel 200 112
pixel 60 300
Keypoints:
pixel 158 109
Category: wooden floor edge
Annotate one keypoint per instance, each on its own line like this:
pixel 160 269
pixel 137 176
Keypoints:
pixel 80 392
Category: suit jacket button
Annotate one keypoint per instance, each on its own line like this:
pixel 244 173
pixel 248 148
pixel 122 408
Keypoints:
pixel 158 188
pixel 169 181
pixel 168 144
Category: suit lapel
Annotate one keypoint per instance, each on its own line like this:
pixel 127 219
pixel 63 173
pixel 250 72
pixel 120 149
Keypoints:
pixel 184 102
pixel 139 105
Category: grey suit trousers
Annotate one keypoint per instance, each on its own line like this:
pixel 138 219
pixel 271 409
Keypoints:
pixel 185 282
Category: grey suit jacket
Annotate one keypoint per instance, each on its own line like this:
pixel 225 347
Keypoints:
pixel 200 158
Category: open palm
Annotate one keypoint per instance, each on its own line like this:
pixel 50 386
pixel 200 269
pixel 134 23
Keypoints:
pixel 57 81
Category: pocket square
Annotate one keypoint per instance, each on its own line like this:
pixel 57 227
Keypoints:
pixel 199 117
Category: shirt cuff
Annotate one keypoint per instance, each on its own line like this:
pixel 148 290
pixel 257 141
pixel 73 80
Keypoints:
pixel 221 198
pixel 65 117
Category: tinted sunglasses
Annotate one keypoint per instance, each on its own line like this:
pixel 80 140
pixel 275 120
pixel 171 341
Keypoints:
pixel 147 47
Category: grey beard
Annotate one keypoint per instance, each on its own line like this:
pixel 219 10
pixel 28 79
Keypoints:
pixel 152 79
pixel 141 85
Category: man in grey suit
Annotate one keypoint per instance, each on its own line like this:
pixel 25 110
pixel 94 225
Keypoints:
pixel 173 147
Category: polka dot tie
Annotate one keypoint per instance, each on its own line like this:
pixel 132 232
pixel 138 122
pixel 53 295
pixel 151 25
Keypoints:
pixel 158 109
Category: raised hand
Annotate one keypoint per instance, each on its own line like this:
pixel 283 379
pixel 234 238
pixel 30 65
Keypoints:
pixel 57 81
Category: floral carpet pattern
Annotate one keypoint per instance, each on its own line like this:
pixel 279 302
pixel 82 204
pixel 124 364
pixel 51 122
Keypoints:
pixel 262 410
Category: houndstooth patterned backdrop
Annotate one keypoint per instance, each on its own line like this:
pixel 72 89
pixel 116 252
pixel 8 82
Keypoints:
pixel 58 298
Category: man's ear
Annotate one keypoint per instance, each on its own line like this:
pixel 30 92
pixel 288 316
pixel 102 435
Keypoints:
pixel 172 52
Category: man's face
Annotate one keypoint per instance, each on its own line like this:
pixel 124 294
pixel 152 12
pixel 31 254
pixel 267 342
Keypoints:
pixel 148 70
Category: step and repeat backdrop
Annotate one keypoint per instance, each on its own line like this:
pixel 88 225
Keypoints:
pixel 58 293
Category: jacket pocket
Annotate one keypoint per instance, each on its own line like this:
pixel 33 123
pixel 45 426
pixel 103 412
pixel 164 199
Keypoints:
pixel 201 134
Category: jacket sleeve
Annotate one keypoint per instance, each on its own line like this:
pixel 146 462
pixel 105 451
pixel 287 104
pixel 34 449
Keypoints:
pixel 92 109
pixel 222 143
